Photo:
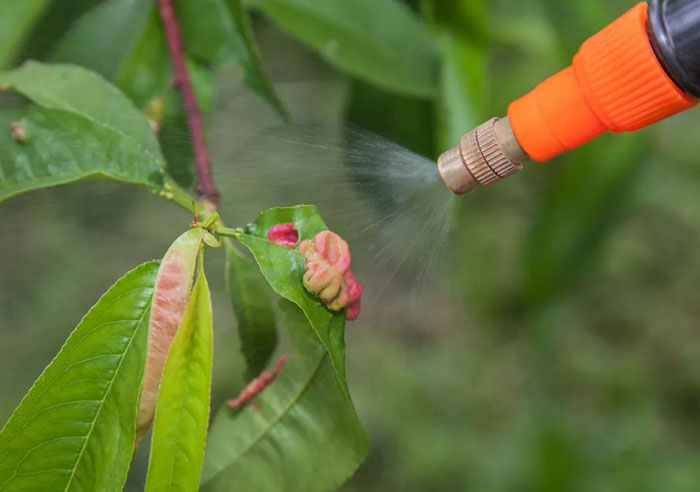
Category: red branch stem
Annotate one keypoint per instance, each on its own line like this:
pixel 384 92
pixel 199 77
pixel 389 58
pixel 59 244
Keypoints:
pixel 206 189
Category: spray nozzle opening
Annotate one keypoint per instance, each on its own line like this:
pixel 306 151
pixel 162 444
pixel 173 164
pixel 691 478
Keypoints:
pixel 484 156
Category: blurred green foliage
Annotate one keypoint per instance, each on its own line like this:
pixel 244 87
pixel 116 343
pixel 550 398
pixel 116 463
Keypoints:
pixel 568 357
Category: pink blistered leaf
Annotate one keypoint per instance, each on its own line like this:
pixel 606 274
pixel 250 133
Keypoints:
pixel 170 297
pixel 328 274
pixel 283 234
pixel 355 294
pixel 258 384
pixel 352 311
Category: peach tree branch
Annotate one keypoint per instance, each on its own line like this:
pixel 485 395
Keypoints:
pixel 206 189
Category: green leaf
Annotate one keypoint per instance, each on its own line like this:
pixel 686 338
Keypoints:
pixel 283 269
pixel 307 431
pixel 250 296
pixel 578 211
pixel 133 54
pixel 102 38
pixel 219 32
pixel 82 127
pixel 81 92
pixel 74 431
pixel 462 88
pixel 51 27
pixel 146 72
pixel 16 21
pixel 462 26
pixel 405 120
pixel 466 19
pixel 182 414
pixel 379 41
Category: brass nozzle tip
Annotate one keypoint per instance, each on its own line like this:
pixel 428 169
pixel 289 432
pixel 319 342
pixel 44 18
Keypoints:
pixel 485 156
pixel 454 173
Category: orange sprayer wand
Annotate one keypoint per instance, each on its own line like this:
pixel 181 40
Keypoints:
pixel 640 69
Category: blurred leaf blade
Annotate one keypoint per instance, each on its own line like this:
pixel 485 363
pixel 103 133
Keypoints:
pixel 16 21
pixel 462 88
pixel 219 32
pixel 406 120
pixel 574 22
pixel 102 38
pixel 81 126
pixel 462 27
pixel 594 185
pixel 306 430
pixel 466 19
pixel 121 40
pixel 51 27
pixel 580 207
pixel 75 429
pixel 355 36
pixel 182 414
pixel 252 305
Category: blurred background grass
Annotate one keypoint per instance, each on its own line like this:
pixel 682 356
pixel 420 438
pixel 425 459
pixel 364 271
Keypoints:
pixel 559 348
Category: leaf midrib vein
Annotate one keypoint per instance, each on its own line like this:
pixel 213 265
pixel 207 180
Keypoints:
pixel 107 392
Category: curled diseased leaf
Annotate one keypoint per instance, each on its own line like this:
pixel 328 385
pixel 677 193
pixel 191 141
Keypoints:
pixel 182 416
pixel 283 234
pixel 328 274
pixel 172 293
pixel 258 384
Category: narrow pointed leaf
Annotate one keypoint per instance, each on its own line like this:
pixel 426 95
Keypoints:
pixel 74 431
pixel 182 415
pixel 170 299
pixel 252 305
pixel 284 270
pixel 307 431
pixel 80 126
